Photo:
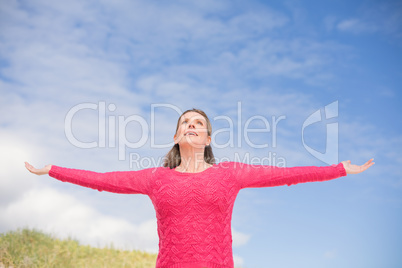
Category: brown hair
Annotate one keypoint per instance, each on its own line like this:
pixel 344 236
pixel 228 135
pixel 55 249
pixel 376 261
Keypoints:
pixel 173 159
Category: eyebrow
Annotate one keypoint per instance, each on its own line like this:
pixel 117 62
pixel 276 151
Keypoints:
pixel 198 118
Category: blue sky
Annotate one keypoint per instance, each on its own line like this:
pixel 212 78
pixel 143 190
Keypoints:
pixel 262 60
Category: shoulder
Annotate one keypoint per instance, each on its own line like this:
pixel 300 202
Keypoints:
pixel 159 170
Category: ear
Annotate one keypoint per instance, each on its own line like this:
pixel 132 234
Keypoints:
pixel 208 141
pixel 175 139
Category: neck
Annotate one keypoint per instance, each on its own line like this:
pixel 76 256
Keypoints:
pixel 192 160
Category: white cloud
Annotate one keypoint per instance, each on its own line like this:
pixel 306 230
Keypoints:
pixel 383 18
pixel 63 215
pixel 13 153
pixel 78 58
pixel 238 261
pixel 239 238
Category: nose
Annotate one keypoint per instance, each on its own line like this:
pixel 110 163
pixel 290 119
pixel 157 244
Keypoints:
pixel 191 125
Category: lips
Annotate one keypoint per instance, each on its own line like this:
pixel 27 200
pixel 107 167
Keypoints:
pixel 190 133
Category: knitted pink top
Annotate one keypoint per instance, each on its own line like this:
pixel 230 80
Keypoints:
pixel 194 210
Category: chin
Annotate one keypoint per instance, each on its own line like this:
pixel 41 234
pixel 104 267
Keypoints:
pixel 192 144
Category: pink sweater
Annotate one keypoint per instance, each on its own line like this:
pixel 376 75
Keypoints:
pixel 194 210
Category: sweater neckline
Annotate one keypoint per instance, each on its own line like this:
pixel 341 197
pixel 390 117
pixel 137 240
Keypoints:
pixel 194 173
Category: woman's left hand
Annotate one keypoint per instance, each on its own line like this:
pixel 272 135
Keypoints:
pixel 355 169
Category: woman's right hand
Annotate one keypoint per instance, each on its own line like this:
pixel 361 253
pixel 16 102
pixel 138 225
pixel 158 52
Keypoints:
pixel 43 171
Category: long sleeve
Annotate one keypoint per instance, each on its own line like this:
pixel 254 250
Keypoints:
pixel 250 176
pixel 123 182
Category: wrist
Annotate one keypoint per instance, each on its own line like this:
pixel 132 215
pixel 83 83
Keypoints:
pixel 48 168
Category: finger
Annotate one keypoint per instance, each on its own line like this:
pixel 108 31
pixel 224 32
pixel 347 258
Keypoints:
pixel 368 162
pixel 28 166
pixel 363 168
pixel 31 169
pixel 367 165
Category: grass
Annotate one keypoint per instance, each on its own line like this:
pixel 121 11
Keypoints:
pixel 31 248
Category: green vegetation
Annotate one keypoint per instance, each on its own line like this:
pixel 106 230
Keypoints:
pixel 31 248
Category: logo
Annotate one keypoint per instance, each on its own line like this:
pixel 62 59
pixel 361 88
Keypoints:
pixel 330 156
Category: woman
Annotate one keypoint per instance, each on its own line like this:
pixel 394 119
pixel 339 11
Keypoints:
pixel 194 197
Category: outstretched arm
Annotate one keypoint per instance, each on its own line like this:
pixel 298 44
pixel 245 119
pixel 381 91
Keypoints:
pixel 125 182
pixel 268 176
pixel 355 169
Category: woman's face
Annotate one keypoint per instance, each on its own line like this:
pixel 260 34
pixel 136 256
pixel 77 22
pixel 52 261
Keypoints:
pixel 192 130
